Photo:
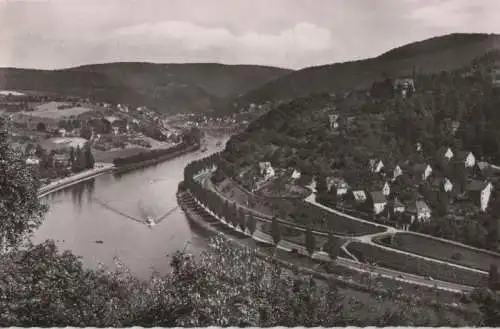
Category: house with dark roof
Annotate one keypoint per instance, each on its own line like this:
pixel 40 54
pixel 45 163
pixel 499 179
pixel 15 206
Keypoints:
pixel 484 169
pixel 479 192
pixel 378 201
pixel 397 206
pixel 418 210
pixel 422 171
pixel 337 184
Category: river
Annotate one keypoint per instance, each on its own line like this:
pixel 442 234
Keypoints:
pixel 109 208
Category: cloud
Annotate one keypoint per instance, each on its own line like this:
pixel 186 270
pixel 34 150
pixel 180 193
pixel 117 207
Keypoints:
pixel 457 14
pixel 303 37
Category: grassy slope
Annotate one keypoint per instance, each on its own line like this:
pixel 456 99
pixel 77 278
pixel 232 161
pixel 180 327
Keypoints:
pixel 428 56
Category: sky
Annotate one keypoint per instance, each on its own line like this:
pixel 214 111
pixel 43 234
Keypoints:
pixel 53 34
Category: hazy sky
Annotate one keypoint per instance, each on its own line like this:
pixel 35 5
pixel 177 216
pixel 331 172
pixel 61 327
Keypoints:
pixel 287 33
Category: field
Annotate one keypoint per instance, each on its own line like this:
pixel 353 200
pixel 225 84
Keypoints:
pixel 50 110
pixel 60 143
pixel 449 252
pixel 324 220
pixel 404 263
pixel 299 212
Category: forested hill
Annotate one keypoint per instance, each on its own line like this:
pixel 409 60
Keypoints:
pixel 298 134
pixel 433 55
pixel 167 88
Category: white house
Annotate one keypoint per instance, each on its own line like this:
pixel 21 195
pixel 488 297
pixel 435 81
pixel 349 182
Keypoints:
pixel 296 174
pixel 376 165
pixel 447 185
pixel 62 132
pixel 33 161
pixel 446 153
pixel 396 172
pixel 466 158
pixel 359 195
pixel 379 201
pixel 422 170
pixel 480 192
pixel 419 147
pixel 116 130
pixel 266 170
pixel 386 190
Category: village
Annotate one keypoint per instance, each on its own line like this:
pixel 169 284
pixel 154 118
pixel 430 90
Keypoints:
pixel 51 130
pixel 450 184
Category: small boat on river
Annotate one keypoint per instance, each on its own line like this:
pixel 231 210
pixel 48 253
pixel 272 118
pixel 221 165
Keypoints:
pixel 150 222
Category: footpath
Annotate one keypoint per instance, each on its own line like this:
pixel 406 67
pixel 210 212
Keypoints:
pixel 99 169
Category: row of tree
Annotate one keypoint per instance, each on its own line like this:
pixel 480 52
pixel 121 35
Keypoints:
pixel 239 217
pixel 81 159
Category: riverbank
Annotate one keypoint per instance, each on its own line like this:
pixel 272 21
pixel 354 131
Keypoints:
pixel 150 162
pixel 99 169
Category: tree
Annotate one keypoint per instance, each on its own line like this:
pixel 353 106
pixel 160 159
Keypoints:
pixel 251 224
pixel 332 246
pixel 85 132
pixel 41 126
pixel 20 211
pixel 310 241
pixel 72 155
pixel 88 158
pixel 493 278
pixel 275 231
pixel 241 219
pixel 79 163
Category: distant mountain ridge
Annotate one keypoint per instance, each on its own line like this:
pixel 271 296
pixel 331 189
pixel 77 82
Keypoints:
pixel 432 55
pixel 200 87
pixel 168 88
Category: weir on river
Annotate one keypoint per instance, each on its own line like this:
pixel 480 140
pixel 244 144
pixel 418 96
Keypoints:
pixel 142 221
pixel 108 209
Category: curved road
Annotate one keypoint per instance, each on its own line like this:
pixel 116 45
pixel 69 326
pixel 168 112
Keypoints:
pixel 353 264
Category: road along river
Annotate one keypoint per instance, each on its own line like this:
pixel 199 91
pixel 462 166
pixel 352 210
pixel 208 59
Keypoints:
pixel 104 218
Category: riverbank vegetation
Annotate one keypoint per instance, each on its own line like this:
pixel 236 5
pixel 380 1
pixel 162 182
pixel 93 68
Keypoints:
pixel 190 139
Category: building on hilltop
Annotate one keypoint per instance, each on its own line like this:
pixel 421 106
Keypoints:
pixel 404 85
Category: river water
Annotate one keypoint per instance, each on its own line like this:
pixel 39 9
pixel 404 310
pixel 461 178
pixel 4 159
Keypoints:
pixel 110 207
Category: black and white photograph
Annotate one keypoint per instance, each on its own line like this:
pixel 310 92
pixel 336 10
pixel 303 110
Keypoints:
pixel 249 163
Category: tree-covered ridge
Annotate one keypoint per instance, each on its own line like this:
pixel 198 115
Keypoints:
pixel 382 125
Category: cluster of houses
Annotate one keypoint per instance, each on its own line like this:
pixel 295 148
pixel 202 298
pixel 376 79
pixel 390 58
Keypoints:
pixel 381 199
